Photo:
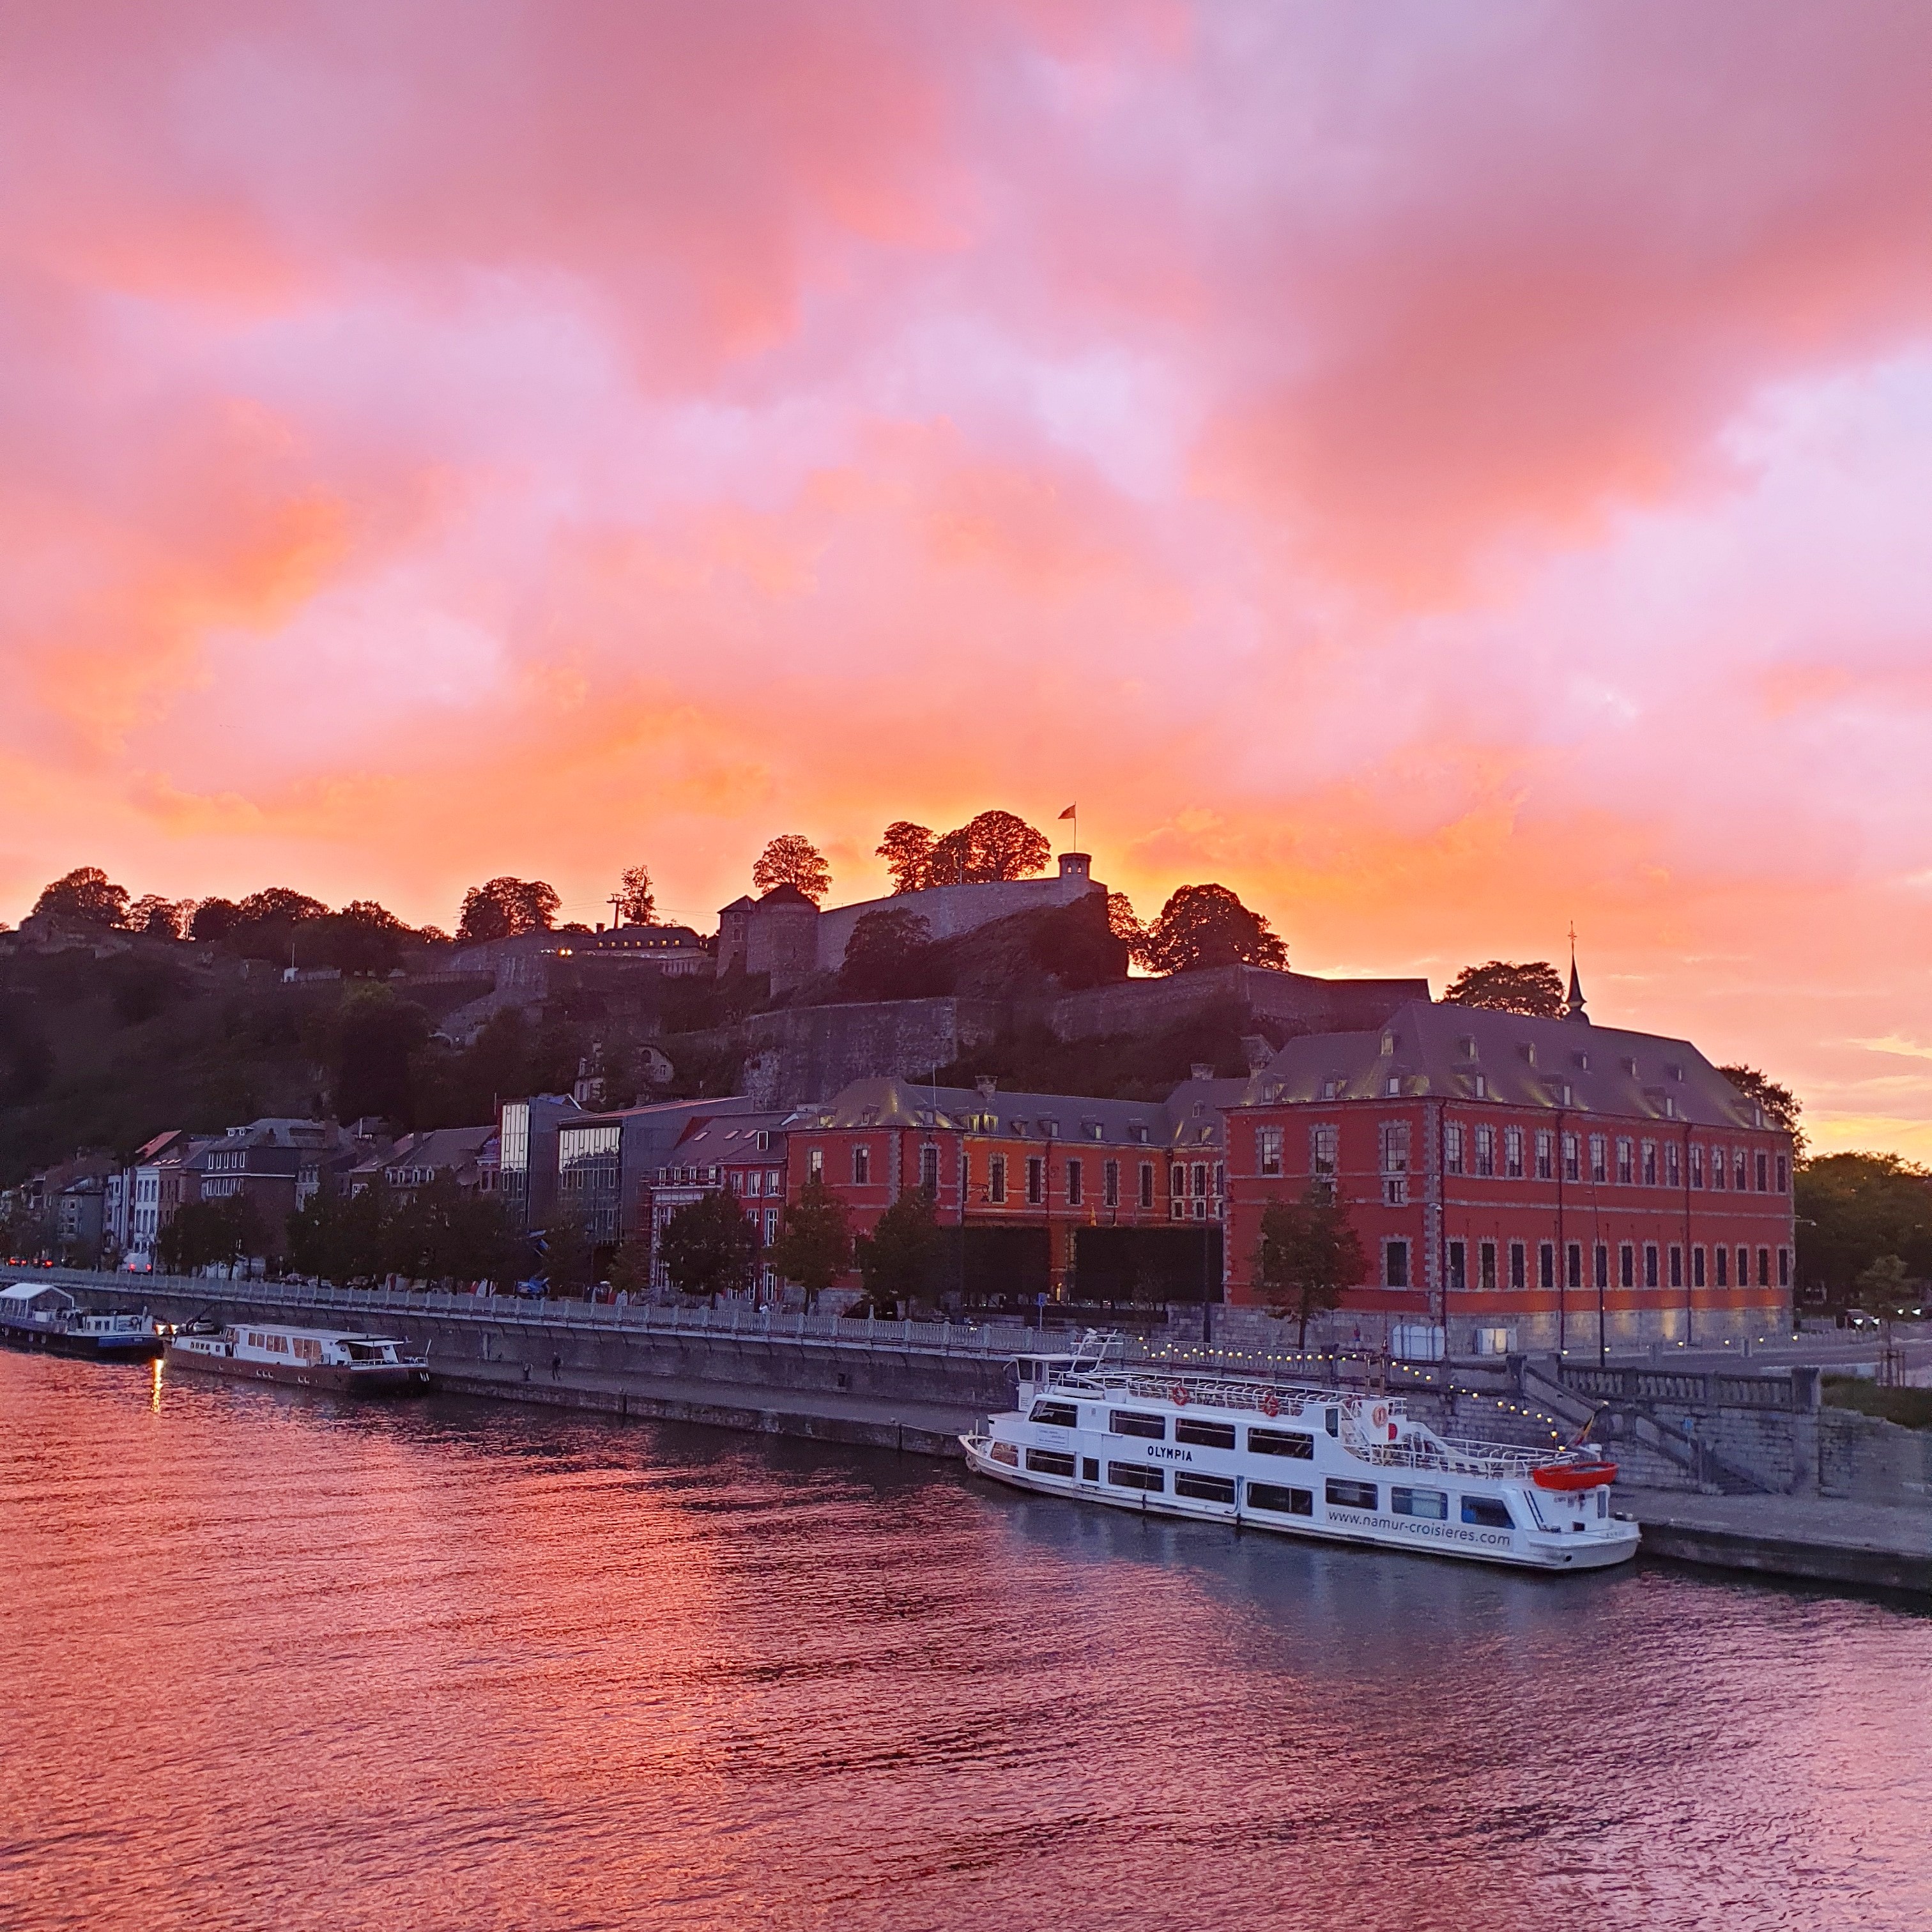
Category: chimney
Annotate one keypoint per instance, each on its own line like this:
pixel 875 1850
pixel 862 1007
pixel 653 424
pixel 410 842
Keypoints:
pixel 1201 1069
pixel 987 1085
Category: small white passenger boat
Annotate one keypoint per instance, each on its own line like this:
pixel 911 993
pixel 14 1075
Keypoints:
pixel 325 1358
pixel 1335 1464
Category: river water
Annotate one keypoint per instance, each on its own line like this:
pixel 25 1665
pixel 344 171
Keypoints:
pixel 273 1660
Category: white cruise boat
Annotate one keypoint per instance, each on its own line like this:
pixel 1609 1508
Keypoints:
pixel 308 1358
pixel 1332 1463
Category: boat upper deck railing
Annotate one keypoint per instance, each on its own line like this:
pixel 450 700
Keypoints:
pixel 1210 1391
pixel 1426 1453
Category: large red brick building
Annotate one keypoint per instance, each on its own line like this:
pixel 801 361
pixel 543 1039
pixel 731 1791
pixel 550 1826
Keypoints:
pixel 1517 1182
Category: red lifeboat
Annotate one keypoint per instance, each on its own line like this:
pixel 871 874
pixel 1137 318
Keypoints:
pixel 1569 1477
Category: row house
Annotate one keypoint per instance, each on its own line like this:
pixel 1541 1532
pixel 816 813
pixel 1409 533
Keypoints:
pixel 604 1161
pixel 1525 1183
pixel 1052 1195
pixel 744 1155
pixel 468 1156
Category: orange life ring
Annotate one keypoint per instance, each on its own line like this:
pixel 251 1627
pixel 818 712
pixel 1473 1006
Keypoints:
pixel 1180 1394
pixel 1270 1406
pixel 1381 1415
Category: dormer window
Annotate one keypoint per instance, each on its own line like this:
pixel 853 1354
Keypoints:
pixel 1630 1065
pixel 1018 1128
pixel 1528 1049
pixel 1392 1086
pixel 1569 1095
pixel 1468 1046
pixel 1582 1061
pixel 1200 1107
pixel 1674 1072
pixel 1388 1043
pixel 1480 1086
pixel 1050 1129
pixel 1331 1089
pixel 764 1140
pixel 1094 1131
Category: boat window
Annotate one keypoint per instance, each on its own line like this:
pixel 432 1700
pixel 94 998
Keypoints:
pixel 1205 1489
pixel 1135 1476
pixel 1049 1462
pixel 1205 1435
pixel 1334 1421
pixel 1282 1442
pixel 1352 1495
pixel 1283 1502
pixel 1431 1503
pixel 1089 1468
pixel 1127 1422
pixel 1061 1414
pixel 1486 1512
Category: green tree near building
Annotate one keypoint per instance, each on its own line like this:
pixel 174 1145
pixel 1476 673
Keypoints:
pixel 897 1259
pixel 210 1234
pixel 1207 925
pixel 1854 1209
pixel 1530 987
pixel 340 1238
pixel 708 1247
pixel 1308 1256
pixel 814 1246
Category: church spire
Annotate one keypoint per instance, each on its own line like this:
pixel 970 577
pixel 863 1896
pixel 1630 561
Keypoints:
pixel 1574 1010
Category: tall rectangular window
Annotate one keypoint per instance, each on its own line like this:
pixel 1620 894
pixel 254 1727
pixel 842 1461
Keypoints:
pixel 1110 1183
pixel 1676 1266
pixel 1602 1258
pixel 1650 1264
pixel 1673 1175
pixel 1626 1171
pixel 1599 1166
pixel 1076 1183
pixel 1764 1178
pixel 929 1169
pixel 1146 1183
pixel 1395 1263
pixel 1486 1150
pixel 1697 1267
pixel 1324 1150
pixel 1783 1175
pixel 1738 1179
pixel 1518 1266
pixel 1459 1267
pixel 1744 1267
pixel 1452 1148
pixel 1486 1268
pixel 1572 1163
pixel 1696 1165
pixel 814 1163
pixel 1718 1167
pixel 1545 1265
pixel 1650 1163
pixel 1573 1271
pixel 862 1165
pixel 1035 1181
pixel 1763 1268
pixel 1268 1145
pixel 1723 1260
pixel 996 1179
pixel 1395 1162
pixel 1512 1152
pixel 1626 1266
pixel 1784 1267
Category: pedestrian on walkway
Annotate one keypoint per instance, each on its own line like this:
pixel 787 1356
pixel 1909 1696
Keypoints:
pixel 527 1371
pixel 556 1368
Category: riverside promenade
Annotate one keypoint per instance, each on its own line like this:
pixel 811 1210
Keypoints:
pixel 1724 1471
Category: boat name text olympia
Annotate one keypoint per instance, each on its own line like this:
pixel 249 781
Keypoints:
pixel 325 1358
pixel 1335 1464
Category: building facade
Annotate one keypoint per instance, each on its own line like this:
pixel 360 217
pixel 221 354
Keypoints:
pixel 1524 1184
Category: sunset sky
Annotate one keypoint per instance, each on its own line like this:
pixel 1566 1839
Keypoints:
pixel 1442 471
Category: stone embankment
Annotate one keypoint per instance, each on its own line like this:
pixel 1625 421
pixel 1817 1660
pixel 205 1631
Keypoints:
pixel 1740 1472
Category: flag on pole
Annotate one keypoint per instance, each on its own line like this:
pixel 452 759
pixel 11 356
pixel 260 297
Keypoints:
pixel 1072 812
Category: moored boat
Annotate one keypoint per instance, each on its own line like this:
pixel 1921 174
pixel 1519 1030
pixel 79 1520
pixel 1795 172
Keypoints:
pixel 43 1316
pixel 323 1358
pixel 1338 1465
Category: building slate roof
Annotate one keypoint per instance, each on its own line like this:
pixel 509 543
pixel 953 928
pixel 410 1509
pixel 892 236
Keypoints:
pixel 1438 1049
pixel 1190 1117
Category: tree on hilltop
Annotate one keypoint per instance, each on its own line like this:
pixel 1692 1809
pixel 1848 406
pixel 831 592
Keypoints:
pixel 994 847
pixel 1531 987
pixel 907 849
pixel 637 904
pixel 505 908
pixel 88 897
pixel 792 860
pixel 1207 925
pixel 159 918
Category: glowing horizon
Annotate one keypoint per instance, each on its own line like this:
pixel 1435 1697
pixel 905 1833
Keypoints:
pixel 1440 475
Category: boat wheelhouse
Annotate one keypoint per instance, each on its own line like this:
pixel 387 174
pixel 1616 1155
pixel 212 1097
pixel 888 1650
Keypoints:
pixel 43 1316
pixel 324 1358
pixel 1335 1464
